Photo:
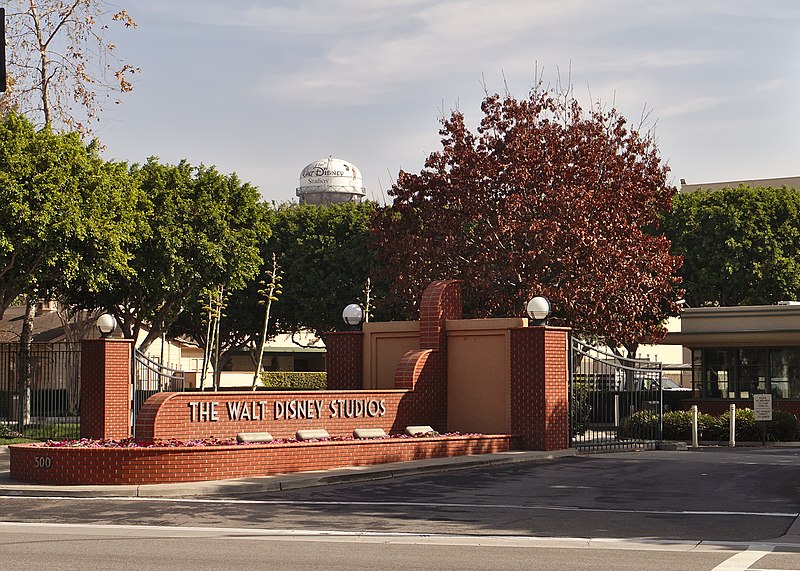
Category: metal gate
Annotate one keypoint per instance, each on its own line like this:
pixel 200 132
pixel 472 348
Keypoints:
pixel 151 377
pixel 614 402
pixel 41 400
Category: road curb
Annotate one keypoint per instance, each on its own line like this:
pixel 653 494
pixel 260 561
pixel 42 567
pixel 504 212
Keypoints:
pixel 283 482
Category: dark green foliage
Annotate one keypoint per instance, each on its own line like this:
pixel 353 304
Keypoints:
pixel 6 432
pixel 746 427
pixel 581 413
pixel 294 380
pixel 783 427
pixel 325 261
pixel 67 217
pixel 740 246
pixel 641 424
pixel 202 231
pixel 678 424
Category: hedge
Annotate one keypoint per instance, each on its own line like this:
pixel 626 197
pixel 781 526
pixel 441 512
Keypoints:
pixel 783 427
pixel 294 380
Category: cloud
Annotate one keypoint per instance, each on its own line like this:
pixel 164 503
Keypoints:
pixel 771 85
pixel 382 52
pixel 690 106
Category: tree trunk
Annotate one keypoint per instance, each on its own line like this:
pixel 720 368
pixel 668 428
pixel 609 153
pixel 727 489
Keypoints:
pixel 25 340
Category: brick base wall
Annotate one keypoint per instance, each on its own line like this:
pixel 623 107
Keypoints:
pixel 345 360
pixel 37 464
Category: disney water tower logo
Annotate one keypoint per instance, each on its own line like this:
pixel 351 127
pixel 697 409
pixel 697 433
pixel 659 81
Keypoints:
pixel 323 168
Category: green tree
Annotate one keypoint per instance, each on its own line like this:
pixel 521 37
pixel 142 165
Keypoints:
pixel 326 258
pixel 66 215
pixel 202 232
pixel 66 218
pixel 740 246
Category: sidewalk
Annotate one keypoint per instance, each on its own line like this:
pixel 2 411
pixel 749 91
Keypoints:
pixel 278 482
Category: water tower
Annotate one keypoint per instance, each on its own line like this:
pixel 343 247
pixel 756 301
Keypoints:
pixel 330 181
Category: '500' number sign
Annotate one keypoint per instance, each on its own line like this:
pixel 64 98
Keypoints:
pixel 41 462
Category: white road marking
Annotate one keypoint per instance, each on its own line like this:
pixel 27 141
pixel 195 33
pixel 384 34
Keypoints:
pixel 743 560
pixel 754 550
pixel 431 505
pixel 160 531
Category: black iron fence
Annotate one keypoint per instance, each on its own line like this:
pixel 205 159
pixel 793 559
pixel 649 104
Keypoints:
pixel 40 389
pixel 614 401
pixel 151 377
pixel 42 400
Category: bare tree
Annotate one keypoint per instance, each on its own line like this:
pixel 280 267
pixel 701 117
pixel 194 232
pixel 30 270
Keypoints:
pixel 60 61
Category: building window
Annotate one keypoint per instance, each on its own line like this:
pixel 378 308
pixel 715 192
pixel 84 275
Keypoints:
pixel 752 374
pixel 718 372
pixel 739 373
pixel 785 372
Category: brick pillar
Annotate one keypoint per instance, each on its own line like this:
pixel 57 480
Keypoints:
pixel 540 387
pixel 344 361
pixel 424 371
pixel 106 388
pixel 440 301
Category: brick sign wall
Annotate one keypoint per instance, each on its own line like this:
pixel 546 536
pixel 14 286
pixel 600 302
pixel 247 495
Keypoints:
pixel 224 414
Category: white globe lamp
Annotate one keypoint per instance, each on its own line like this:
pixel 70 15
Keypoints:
pixel 539 310
pixel 106 325
pixel 353 315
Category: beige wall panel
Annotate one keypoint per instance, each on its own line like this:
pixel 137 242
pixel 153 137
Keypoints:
pixel 385 343
pixel 478 381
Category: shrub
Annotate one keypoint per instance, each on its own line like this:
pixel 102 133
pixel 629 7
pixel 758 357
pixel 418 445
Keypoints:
pixel 294 380
pixel 642 424
pixel 7 433
pixel 678 425
pixel 747 430
pixel 783 427
pixel 581 414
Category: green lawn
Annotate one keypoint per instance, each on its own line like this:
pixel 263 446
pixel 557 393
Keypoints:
pixel 34 432
pixel 5 441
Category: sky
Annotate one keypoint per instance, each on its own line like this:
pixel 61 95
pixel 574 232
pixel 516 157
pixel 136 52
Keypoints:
pixel 264 87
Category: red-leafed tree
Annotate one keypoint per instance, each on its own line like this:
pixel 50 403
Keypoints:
pixel 543 199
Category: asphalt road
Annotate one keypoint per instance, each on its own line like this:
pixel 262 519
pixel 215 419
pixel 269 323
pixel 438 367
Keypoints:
pixel 680 510
pixel 102 548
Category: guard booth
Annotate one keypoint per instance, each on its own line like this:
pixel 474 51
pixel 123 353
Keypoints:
pixel 615 402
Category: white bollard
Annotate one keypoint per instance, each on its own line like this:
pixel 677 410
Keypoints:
pixel 695 443
pixel 732 435
pixel 616 410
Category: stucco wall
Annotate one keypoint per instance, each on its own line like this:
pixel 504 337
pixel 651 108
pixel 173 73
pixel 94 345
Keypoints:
pixel 478 379
pixel 385 343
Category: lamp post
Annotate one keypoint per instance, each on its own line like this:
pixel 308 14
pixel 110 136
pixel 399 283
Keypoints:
pixel 106 325
pixel 353 316
pixel 539 310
